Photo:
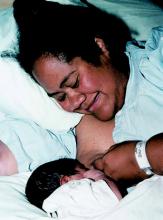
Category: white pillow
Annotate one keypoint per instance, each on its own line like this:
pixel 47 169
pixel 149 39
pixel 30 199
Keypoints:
pixel 8 30
pixel 21 97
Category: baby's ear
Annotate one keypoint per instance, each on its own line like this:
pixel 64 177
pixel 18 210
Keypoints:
pixel 64 179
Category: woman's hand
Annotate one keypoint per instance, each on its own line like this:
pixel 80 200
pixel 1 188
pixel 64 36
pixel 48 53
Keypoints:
pixel 120 164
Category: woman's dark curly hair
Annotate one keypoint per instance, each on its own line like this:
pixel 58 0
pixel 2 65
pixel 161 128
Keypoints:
pixel 68 31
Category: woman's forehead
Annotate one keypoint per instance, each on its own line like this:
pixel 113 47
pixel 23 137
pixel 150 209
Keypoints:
pixel 50 72
pixel 51 65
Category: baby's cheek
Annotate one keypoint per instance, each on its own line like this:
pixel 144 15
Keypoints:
pixel 98 164
pixel 94 174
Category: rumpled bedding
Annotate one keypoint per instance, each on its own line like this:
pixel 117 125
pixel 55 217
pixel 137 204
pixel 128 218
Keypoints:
pixel 145 202
pixel 81 198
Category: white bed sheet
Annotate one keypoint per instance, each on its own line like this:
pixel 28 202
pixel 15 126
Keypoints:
pixel 145 202
pixel 140 16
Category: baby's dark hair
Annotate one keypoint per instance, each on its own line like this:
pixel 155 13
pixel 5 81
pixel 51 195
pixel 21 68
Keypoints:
pixel 46 178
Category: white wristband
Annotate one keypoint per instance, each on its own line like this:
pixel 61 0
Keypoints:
pixel 141 157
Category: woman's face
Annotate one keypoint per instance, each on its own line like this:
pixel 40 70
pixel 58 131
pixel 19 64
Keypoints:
pixel 81 87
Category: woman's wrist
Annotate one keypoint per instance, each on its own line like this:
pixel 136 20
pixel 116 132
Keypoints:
pixel 154 151
pixel 142 159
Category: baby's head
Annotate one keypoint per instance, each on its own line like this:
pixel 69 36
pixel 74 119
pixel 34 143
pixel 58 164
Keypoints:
pixel 49 176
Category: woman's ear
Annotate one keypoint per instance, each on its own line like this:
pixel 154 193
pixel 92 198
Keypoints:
pixel 102 46
pixel 64 179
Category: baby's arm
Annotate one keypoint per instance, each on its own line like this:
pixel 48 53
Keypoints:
pixel 94 138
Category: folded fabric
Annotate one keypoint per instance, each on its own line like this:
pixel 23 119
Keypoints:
pixel 80 198
pixel 32 145
pixel 143 203
pixel 152 65
pixel 144 91
pixel 21 97
pixel 8 31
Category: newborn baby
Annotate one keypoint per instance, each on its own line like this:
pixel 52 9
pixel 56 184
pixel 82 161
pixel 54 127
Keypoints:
pixel 65 188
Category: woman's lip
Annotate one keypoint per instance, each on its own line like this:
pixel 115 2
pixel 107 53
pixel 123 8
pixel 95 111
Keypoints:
pixel 91 107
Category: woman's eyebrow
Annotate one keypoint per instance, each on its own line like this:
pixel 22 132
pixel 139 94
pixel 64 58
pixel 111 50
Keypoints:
pixel 61 84
pixel 65 79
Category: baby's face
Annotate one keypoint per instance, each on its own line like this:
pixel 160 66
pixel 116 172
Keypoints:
pixel 92 174
pixel 96 175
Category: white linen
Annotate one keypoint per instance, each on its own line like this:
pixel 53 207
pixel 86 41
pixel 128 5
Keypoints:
pixel 32 145
pixel 8 31
pixel 21 97
pixel 143 203
pixel 84 198
pixel 13 203
pixel 143 104
pixel 140 16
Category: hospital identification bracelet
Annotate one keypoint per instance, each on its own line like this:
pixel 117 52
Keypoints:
pixel 141 158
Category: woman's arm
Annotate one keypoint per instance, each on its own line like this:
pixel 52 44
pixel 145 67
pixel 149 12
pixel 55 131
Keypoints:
pixel 94 138
pixel 120 163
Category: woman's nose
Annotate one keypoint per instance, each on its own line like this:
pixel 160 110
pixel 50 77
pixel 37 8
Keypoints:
pixel 76 99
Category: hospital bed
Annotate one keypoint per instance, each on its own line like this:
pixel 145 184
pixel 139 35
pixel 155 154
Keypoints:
pixel 145 201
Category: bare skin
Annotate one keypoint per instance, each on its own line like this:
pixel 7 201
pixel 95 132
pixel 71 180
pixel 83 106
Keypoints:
pixel 120 163
pixel 81 87
pixel 95 175
pixel 8 164
pixel 94 138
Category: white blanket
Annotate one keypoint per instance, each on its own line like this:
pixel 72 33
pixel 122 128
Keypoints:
pixel 97 202
pixel 81 198
pixel 145 202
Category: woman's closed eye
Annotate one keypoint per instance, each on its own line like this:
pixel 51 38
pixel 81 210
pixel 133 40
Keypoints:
pixel 72 82
pixel 76 84
pixel 60 97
